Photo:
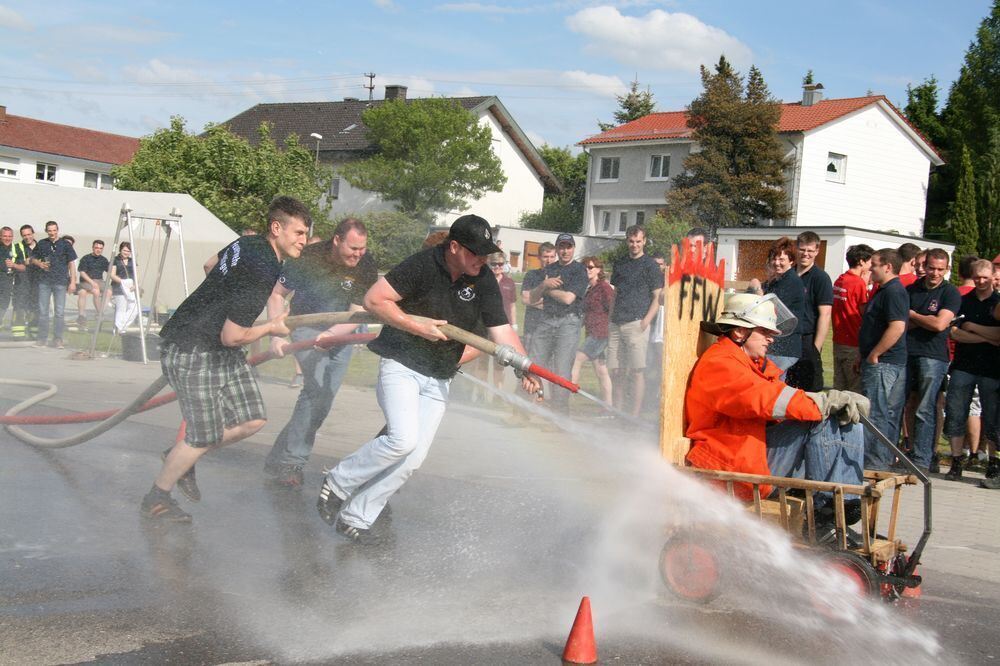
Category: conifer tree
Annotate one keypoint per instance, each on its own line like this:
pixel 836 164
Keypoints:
pixel 737 176
pixel 963 215
pixel 631 106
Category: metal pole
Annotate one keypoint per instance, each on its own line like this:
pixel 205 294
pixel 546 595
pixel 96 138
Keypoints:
pixel 138 298
pixel 159 272
pixel 176 213
pixel 123 216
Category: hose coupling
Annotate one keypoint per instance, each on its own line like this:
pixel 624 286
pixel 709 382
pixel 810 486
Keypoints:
pixel 506 355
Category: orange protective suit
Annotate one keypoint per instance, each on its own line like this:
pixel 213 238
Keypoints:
pixel 728 405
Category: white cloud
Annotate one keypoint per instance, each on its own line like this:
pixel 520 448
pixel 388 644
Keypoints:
pixel 659 40
pixel 11 19
pixel 107 34
pixel 387 5
pixel 605 86
pixel 157 71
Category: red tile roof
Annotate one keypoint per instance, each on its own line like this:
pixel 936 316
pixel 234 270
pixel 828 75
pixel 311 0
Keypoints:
pixel 56 139
pixel 794 118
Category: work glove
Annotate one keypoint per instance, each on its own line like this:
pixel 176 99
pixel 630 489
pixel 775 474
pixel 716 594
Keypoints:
pixel 847 406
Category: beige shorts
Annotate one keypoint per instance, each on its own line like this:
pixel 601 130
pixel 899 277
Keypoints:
pixel 627 346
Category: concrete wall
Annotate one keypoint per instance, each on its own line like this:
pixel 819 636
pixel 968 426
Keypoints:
pixel 885 180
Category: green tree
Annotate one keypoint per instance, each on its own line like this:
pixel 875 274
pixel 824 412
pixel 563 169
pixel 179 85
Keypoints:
pixel 964 229
pixel 392 236
pixel 737 177
pixel 808 79
pixel 631 106
pixel 561 211
pixel 429 156
pixel 988 190
pixel 224 173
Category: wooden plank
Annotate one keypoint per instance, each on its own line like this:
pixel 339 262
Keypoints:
pixel 866 527
pixel 694 293
pixel 811 517
pixel 730 489
pixel 783 508
pixel 785 482
pixel 894 513
pixel 756 500
pixel 838 508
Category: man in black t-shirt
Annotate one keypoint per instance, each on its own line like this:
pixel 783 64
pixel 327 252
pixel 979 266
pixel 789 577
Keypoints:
pixel 329 277
pixel 638 282
pixel 934 302
pixel 449 283
pixel 25 324
pixel 554 342
pixel 202 357
pixel 976 365
pixel 807 373
pixel 91 271
pixel 882 354
pixel 8 260
pixel 53 257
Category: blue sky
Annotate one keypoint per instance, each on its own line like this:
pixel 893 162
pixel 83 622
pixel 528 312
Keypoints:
pixel 128 67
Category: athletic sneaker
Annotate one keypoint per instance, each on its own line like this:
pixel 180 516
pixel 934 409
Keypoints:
pixel 287 476
pixel 957 465
pixel 159 505
pixel 358 535
pixel 328 503
pixel 992 479
pixel 187 484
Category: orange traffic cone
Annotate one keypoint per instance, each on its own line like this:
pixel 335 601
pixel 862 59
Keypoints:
pixel 580 646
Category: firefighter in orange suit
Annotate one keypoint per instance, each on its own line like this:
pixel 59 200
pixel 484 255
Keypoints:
pixel 742 418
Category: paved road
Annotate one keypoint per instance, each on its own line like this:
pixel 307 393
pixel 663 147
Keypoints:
pixel 489 550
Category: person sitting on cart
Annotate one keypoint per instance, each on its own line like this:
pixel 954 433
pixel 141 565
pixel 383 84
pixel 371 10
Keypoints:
pixel 743 418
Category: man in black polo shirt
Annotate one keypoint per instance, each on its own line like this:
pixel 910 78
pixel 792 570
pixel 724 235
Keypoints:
pixel 882 352
pixel 934 302
pixel 91 270
pixel 554 342
pixel 328 277
pixel 449 283
pixel 807 373
pixel 54 257
pixel 638 281
pixel 976 365
pixel 202 356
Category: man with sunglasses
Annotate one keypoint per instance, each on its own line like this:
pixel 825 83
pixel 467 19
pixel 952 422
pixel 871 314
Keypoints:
pixel 449 283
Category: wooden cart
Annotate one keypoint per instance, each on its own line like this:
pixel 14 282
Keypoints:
pixel 880 563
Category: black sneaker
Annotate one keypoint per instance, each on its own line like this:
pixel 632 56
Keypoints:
pixel 286 476
pixel 358 535
pixel 187 484
pixel 935 466
pixel 957 465
pixel 328 503
pixel 158 505
pixel 992 480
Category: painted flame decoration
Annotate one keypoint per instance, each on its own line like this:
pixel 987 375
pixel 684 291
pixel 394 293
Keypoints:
pixel 688 261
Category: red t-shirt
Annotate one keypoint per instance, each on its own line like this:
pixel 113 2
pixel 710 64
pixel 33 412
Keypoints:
pixel 597 309
pixel 906 279
pixel 850 293
pixel 508 292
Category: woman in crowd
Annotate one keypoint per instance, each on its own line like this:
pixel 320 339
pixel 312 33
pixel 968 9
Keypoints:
pixel 787 286
pixel 124 288
pixel 597 304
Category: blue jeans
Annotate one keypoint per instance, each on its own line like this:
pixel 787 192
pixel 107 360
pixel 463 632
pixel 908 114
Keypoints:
pixel 783 363
pixel 831 452
pixel 956 407
pixel 884 384
pixel 57 294
pixel 322 374
pixel 413 405
pixel 553 346
pixel 924 375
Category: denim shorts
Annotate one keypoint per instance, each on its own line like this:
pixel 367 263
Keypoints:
pixel 215 390
pixel 594 348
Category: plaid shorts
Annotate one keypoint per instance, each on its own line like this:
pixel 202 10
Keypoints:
pixel 215 390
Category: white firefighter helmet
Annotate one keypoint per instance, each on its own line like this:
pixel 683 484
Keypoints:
pixel 753 311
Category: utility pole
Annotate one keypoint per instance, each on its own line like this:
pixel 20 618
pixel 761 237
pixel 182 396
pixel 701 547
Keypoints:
pixel 371 84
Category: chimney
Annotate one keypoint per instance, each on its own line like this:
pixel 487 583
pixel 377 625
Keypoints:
pixel 812 93
pixel 350 99
pixel 395 92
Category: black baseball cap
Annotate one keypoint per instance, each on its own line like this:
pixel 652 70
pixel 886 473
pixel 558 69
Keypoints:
pixel 565 238
pixel 474 234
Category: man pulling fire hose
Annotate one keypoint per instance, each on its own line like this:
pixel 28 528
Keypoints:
pixel 743 418
pixel 448 283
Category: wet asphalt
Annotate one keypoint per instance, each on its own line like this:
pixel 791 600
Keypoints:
pixel 479 566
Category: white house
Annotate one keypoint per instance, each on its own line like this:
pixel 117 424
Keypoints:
pixel 337 134
pixel 50 154
pixel 854 162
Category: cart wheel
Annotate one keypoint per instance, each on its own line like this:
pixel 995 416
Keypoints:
pixel 689 568
pixel 858 570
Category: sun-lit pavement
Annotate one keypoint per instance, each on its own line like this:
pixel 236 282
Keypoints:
pixel 489 550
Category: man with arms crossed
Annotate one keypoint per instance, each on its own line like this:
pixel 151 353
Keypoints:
pixel 201 351
pixel 329 277
pixel 91 270
pixel 449 283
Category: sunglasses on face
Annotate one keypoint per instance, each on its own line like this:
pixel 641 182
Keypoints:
pixel 590 268
pixel 496 265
